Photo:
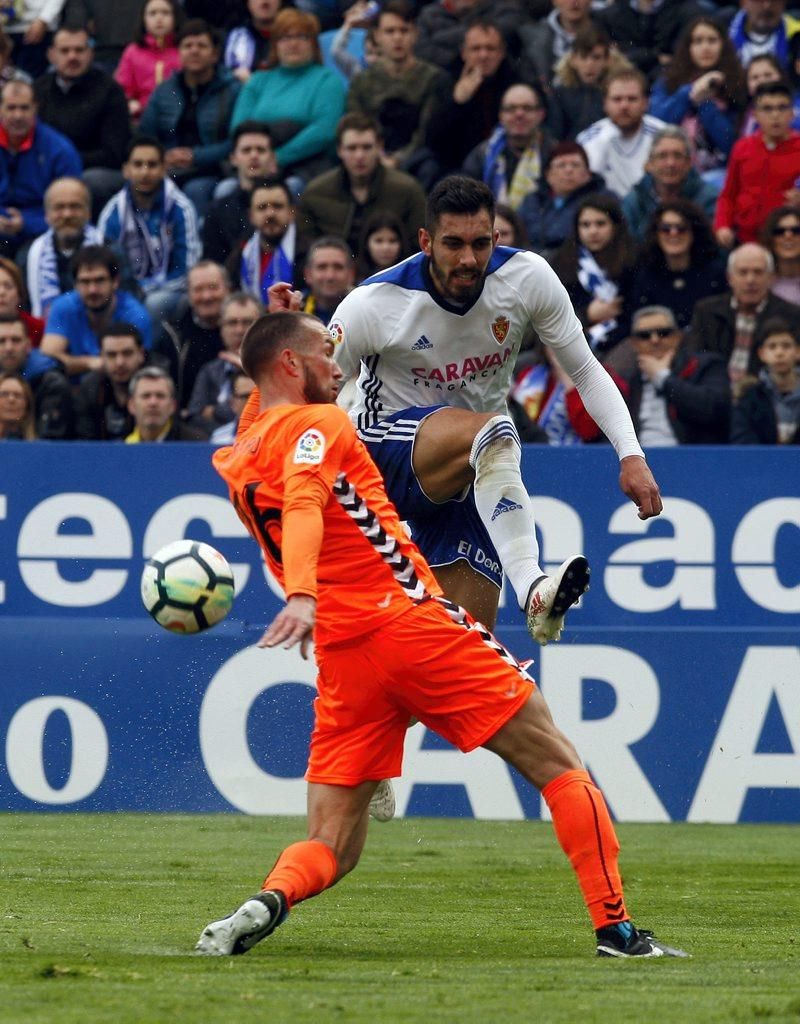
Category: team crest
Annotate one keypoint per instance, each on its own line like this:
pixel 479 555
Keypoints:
pixel 336 331
pixel 310 448
pixel 500 326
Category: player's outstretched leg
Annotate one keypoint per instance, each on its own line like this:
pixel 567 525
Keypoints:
pixel 257 918
pixel 551 597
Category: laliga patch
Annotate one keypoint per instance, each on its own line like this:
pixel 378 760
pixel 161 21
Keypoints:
pixel 310 448
pixel 336 331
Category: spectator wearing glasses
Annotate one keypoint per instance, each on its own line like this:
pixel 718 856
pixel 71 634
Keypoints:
pixel 763 169
pixel 679 263
pixel 675 396
pixel 511 160
pixel 781 236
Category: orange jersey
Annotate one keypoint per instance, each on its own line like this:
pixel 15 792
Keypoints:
pixel 312 497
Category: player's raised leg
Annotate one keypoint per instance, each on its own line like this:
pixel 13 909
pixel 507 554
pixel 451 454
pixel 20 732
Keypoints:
pixel 532 743
pixel 337 829
pixel 454 448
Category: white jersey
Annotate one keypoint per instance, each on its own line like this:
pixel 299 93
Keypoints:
pixel 620 159
pixel 409 347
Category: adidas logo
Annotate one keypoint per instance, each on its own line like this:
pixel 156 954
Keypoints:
pixel 505 505
pixel 421 343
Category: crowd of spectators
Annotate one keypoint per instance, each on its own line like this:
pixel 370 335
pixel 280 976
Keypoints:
pixel 163 164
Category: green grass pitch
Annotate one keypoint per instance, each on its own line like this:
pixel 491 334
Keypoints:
pixel 444 920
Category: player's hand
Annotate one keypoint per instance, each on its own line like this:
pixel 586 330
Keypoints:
pixel 292 625
pixel 636 480
pixel 282 298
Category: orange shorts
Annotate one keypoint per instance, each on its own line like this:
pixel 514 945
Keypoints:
pixel 455 677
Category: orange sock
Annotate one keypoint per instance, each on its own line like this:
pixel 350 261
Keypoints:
pixel 584 829
pixel 303 870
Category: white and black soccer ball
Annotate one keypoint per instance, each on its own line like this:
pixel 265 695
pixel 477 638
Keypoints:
pixel 187 586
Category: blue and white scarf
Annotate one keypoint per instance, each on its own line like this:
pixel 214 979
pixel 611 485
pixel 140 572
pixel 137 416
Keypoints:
pixel 549 414
pixel 240 49
pixel 526 175
pixel 279 268
pixel 43 284
pixel 149 254
pixel 593 280
pixel 776 42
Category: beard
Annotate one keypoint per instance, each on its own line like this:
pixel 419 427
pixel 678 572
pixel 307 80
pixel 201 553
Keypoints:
pixel 313 390
pixel 459 291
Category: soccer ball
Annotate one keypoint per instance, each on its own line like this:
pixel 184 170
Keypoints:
pixel 187 586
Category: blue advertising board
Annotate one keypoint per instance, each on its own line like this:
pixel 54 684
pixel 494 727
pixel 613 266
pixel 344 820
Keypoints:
pixel 678 677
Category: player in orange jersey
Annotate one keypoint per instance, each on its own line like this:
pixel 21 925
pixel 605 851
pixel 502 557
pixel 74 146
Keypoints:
pixel 388 646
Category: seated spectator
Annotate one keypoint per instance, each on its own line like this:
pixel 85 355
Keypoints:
pixel 13 300
pixel 30 25
pixel 618 145
pixel 669 175
pixel 768 409
pixel 646 33
pixel 153 56
pixel 400 91
pixel 679 263
pixel 86 105
pixel 442 25
pixel 549 40
pixel 228 217
pixel 360 15
pixel 576 100
pixel 297 96
pixel 704 91
pixel 273 252
pixel 211 403
pixel 728 323
pixel 247 44
pixel 17 421
pixel 153 406
pixel 101 401
pixel 193 339
pixel 766 68
pixel 67 209
pixel 549 213
pixel 52 397
pixel 381 245
pixel 596 266
pixel 241 387
pixel 470 112
pixel 329 276
pixel 155 225
pixel 77 320
pixel 32 155
pixel 762 27
pixel 781 236
pixel 675 396
pixel 340 201
pixel 510 161
pixel 763 169
pixel 112 26
pixel 190 114
pixel 509 227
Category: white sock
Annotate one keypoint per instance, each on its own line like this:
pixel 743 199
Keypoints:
pixel 503 503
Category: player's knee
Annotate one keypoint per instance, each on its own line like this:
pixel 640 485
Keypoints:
pixel 496 439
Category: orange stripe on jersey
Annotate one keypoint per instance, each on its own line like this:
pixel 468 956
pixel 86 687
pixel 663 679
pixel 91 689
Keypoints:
pixel 312 497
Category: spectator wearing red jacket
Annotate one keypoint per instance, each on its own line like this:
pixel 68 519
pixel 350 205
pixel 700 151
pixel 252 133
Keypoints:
pixel 763 172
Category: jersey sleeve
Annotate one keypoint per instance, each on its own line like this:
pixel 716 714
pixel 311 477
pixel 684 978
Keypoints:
pixel 250 411
pixel 351 331
pixel 310 469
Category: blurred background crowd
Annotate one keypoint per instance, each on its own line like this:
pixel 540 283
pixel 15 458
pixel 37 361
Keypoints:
pixel 163 163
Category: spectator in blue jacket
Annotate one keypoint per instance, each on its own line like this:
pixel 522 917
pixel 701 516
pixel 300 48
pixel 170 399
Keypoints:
pixel 155 225
pixel 704 91
pixel 190 114
pixel 31 156
pixel 78 319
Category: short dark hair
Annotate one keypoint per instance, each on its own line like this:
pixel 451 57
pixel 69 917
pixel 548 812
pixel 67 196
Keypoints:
pixel 772 89
pixel 268 335
pixel 399 8
pixel 95 256
pixel 12 318
pixel 199 27
pixel 141 141
pixel 457 194
pixel 122 330
pixel 775 325
pixel 251 127
pixel 566 149
pixel 177 15
pixel 273 181
pixel 357 122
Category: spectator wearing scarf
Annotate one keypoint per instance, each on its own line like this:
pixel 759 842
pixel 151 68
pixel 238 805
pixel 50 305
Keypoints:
pixel 155 225
pixel 757 30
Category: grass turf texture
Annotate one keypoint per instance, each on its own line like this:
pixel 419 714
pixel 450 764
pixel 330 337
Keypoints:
pixel 444 920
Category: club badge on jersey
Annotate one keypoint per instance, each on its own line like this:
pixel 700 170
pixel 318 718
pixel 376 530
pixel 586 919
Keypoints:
pixel 500 326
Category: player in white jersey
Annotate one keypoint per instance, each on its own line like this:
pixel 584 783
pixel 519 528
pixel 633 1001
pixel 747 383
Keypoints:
pixel 433 342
